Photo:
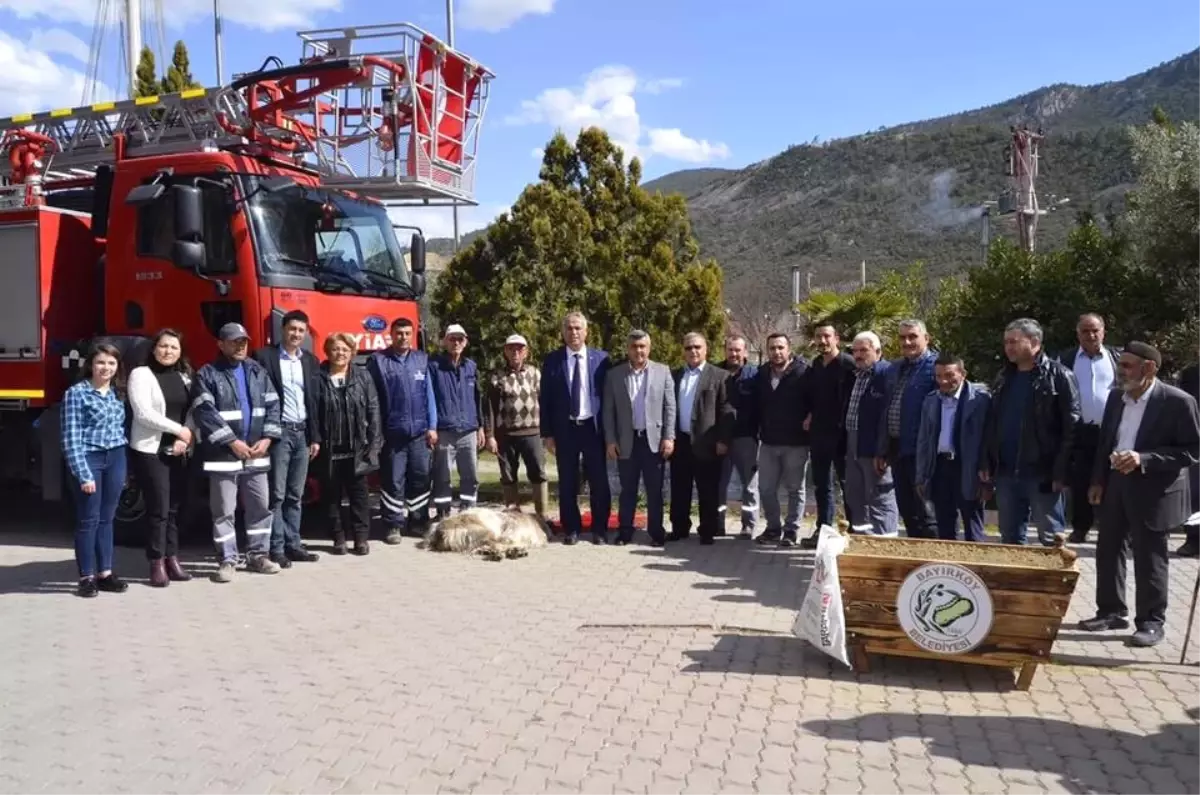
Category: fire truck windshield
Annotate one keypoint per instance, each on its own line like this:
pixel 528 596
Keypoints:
pixel 327 236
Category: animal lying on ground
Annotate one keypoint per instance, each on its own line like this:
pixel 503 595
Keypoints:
pixel 489 533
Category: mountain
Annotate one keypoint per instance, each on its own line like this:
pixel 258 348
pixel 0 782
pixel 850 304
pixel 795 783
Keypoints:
pixel 913 192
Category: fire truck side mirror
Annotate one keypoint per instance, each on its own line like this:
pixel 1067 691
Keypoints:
pixel 189 213
pixel 416 254
pixel 418 284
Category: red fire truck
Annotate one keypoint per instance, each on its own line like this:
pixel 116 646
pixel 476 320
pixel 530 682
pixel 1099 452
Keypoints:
pixel 236 203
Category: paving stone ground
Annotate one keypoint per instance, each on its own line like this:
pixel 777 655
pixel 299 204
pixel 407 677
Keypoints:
pixel 578 669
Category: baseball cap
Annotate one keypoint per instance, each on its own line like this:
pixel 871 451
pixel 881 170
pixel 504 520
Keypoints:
pixel 516 339
pixel 233 331
pixel 454 328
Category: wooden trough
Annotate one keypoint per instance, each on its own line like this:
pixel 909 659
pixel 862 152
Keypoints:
pixel 986 604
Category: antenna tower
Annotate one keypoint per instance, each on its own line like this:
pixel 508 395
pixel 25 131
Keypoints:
pixel 139 23
pixel 1022 168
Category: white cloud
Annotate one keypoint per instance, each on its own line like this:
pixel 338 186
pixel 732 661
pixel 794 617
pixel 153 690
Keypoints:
pixel 262 15
pixel 606 100
pixel 672 143
pixel 34 82
pixel 439 221
pixel 57 40
pixel 496 15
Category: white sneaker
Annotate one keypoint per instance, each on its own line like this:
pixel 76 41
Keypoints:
pixel 224 572
pixel 261 564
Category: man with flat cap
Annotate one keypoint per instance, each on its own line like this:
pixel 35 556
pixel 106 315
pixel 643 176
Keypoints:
pixel 237 411
pixel 1148 438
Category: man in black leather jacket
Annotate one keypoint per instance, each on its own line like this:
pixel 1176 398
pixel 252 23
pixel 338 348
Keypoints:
pixel 1029 436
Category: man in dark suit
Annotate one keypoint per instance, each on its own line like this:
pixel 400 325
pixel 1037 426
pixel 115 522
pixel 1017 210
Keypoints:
pixel 949 441
pixel 701 441
pixel 572 385
pixel 293 371
pixel 1189 381
pixel 1148 439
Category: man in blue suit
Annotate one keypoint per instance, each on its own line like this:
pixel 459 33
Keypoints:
pixel 949 442
pixel 572 383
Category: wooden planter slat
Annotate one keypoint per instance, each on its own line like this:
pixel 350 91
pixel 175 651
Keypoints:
pixel 876 614
pixel 1022 603
pixel 1028 601
pixel 1005 578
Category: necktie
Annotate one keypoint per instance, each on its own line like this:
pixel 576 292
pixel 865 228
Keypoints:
pixel 576 388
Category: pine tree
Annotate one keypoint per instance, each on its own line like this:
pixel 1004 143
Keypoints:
pixel 146 82
pixel 179 74
pixel 585 237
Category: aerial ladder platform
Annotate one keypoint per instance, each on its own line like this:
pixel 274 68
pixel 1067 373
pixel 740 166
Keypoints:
pixel 388 111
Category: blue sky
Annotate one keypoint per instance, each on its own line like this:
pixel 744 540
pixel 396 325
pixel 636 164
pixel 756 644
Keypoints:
pixel 685 83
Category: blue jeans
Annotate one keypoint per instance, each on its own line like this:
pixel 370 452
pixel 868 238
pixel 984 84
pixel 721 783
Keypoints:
pixel 1017 498
pixel 94 512
pixel 289 471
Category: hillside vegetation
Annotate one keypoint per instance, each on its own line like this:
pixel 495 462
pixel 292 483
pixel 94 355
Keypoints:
pixel 913 192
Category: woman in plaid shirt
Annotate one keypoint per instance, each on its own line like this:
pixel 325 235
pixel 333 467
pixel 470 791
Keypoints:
pixel 94 442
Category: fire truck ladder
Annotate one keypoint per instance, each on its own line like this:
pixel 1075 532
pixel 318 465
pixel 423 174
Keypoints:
pixel 71 143
pixel 400 123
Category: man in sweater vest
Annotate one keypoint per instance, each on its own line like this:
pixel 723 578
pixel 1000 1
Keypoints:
pixel 456 391
pixel 511 423
pixel 409 414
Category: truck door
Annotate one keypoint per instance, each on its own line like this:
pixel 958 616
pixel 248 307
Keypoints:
pixel 191 279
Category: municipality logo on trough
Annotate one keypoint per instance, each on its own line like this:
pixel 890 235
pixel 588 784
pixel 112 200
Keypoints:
pixel 945 608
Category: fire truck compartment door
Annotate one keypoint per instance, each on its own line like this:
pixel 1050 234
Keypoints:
pixel 20 297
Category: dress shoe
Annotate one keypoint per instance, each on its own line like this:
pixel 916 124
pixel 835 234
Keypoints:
pixel 599 539
pixel 1077 537
pixel 175 571
pixel 111 584
pixel 707 541
pixel 1189 549
pixel 570 539
pixel 677 536
pixel 1147 636
pixel 658 543
pixel 302 555
pixel 158 574
pixel 1102 623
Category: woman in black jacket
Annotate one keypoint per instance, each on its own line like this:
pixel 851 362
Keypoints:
pixel 348 413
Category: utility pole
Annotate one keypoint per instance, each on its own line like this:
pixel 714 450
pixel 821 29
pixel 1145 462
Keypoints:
pixel 133 41
pixel 450 41
pixel 217 42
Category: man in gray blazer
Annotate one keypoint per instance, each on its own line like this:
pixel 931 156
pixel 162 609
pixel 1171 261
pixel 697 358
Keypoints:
pixel 639 427
pixel 1148 438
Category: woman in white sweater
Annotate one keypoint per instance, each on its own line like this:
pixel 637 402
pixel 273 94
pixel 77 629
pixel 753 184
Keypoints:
pixel 159 441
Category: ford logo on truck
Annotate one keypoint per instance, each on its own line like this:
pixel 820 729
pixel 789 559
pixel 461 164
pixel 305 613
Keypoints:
pixel 375 323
